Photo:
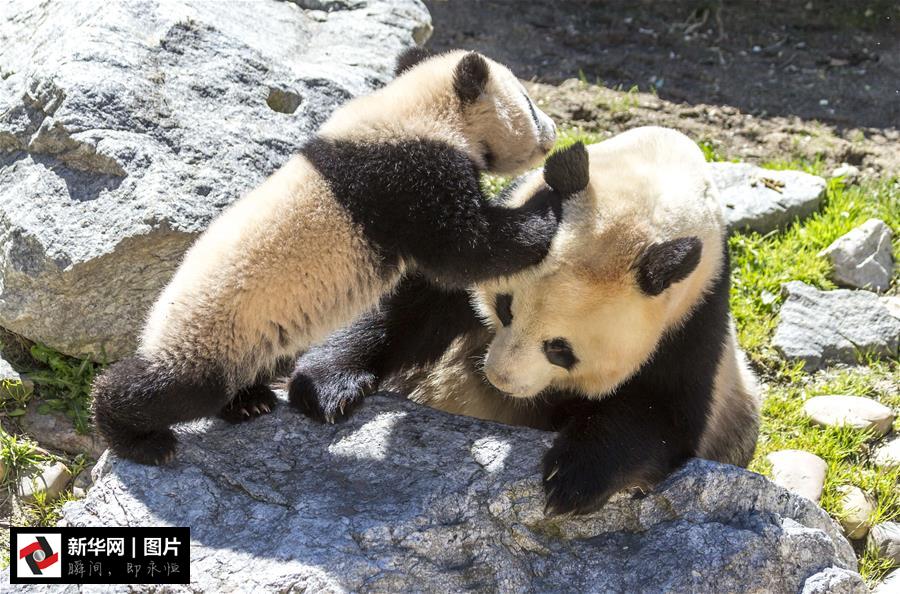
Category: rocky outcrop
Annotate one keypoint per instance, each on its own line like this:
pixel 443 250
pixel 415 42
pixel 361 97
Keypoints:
pixel 763 200
pixel 825 327
pixel 404 498
pixel 125 128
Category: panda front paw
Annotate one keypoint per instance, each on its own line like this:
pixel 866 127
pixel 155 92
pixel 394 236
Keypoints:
pixel 329 396
pixel 574 482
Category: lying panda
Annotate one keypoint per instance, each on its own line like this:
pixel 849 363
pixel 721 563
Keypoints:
pixel 621 340
pixel 389 183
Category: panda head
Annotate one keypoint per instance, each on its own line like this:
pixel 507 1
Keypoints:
pixel 615 283
pixel 502 129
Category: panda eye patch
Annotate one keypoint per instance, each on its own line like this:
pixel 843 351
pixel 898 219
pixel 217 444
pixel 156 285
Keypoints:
pixel 503 305
pixel 559 352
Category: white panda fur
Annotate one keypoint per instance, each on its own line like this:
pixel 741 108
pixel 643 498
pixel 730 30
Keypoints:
pixel 390 182
pixel 647 188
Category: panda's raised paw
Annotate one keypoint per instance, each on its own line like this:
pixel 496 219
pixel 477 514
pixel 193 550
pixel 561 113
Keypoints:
pixel 249 403
pixel 329 396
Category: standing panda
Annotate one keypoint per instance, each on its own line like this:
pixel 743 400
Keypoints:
pixel 621 340
pixel 390 183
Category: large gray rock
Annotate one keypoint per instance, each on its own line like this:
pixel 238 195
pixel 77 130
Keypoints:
pixel 825 327
pixel 125 130
pixel 862 258
pixel 405 498
pixel 764 199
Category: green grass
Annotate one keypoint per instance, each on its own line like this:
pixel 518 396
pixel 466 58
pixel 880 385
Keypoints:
pixel 760 264
pixel 64 384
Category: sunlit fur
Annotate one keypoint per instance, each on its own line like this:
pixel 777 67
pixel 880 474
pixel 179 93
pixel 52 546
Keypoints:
pixel 285 264
pixel 647 185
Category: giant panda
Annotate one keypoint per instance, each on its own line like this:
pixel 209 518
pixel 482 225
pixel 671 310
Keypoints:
pixel 389 183
pixel 621 340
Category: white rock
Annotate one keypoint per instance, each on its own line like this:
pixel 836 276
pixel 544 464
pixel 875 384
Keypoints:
pixel 862 258
pixel 887 454
pixel 892 303
pixel 856 508
pixel 763 199
pixel 885 538
pixel 51 478
pixel 890 584
pixel 11 383
pixel 850 173
pixel 854 411
pixel 825 327
pixel 799 472
pixel 82 483
pixel 125 130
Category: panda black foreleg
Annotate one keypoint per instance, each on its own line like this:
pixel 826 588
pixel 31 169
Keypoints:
pixel 136 402
pixel 605 447
pixel 413 326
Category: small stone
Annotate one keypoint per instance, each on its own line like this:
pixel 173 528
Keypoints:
pixel 799 472
pixel 885 538
pixel 55 430
pixel 890 584
pixel 887 454
pixel 850 173
pixel 50 478
pixel 82 483
pixel 825 327
pixel 862 258
pixel 763 199
pixel 892 303
pixel 854 411
pixel 856 509
pixel 12 384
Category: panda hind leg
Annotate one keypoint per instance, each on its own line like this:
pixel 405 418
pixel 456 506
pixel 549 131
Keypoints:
pixel 250 402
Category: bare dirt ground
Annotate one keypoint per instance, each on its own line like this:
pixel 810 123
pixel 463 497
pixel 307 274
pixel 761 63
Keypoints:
pixel 760 80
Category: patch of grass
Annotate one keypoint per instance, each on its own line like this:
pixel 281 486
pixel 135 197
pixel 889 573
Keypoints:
pixel 64 384
pixel 761 263
pixel 18 454
pixel 44 511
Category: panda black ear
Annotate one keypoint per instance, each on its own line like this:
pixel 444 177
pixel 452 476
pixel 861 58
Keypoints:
pixel 471 77
pixel 667 262
pixel 409 58
pixel 567 171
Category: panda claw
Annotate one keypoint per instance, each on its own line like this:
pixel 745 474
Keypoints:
pixel 256 410
pixel 552 474
pixel 265 408
pixel 245 412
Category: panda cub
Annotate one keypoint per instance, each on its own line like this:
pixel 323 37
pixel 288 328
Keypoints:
pixel 621 340
pixel 390 183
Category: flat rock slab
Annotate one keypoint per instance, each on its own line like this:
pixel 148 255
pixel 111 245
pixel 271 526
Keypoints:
pixel 763 200
pixel 799 472
pixel 862 258
pixel 405 498
pixel 852 411
pixel 120 145
pixel 825 327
